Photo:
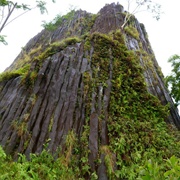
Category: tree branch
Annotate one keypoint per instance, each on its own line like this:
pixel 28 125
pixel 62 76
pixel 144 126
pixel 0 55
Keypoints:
pixel 19 16
pixel 128 15
pixel 9 14
pixel 2 15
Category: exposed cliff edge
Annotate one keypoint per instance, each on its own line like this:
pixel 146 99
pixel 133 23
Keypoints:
pixel 90 81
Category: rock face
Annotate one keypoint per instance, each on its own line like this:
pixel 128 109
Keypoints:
pixel 76 81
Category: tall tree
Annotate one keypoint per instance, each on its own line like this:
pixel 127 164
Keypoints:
pixel 173 80
pixel 7 9
pixel 140 6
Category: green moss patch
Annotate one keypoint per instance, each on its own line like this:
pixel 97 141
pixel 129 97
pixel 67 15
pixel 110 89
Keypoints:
pixel 5 76
pixel 132 31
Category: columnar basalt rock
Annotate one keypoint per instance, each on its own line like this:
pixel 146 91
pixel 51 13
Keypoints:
pixel 74 85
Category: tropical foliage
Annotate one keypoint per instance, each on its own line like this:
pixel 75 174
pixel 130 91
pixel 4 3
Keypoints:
pixel 173 80
pixel 45 166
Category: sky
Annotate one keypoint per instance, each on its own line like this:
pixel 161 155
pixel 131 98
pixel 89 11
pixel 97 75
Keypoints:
pixel 163 34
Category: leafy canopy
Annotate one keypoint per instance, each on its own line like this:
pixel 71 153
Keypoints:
pixel 173 80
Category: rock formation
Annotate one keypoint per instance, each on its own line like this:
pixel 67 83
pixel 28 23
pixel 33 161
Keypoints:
pixel 86 82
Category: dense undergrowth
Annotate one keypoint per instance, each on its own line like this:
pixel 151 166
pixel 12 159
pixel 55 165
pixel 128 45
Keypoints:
pixel 45 166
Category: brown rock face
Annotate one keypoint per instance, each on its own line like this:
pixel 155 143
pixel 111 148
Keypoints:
pixel 71 86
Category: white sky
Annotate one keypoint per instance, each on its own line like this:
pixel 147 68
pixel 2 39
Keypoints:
pixel 163 34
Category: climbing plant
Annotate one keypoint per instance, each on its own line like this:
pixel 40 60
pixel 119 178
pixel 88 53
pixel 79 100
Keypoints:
pixel 136 128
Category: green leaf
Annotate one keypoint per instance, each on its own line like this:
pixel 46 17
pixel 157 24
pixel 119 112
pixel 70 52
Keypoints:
pixel 42 6
pixel 4 2
pixel 167 173
pixel 2 39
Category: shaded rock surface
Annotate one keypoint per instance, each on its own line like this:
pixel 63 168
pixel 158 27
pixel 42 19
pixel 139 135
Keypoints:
pixel 62 97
